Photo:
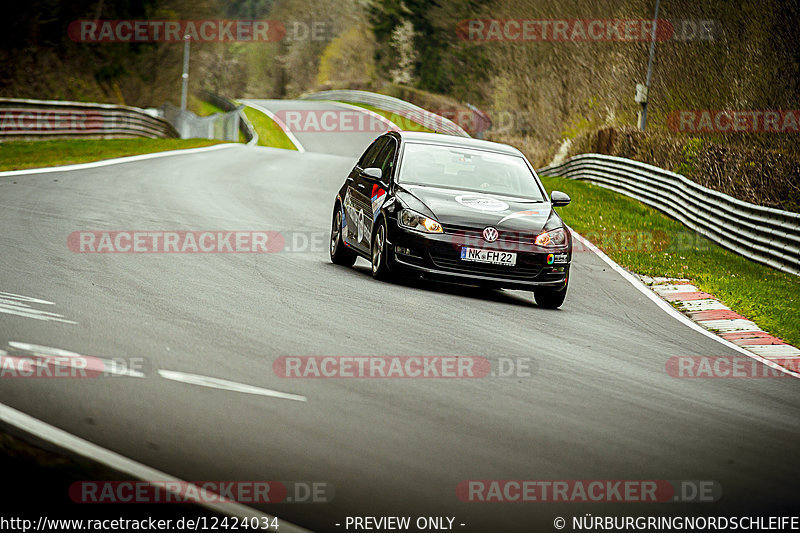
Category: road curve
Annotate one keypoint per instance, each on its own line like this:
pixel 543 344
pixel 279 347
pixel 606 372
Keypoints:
pixel 326 127
pixel 599 404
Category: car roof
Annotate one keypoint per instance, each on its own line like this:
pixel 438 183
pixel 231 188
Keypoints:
pixel 451 140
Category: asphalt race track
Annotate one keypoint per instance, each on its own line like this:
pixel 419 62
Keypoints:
pixel 598 404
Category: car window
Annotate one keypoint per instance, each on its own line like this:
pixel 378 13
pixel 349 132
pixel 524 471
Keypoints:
pixel 368 159
pixel 469 169
pixel 385 160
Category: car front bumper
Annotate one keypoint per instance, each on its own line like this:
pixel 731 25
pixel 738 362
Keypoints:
pixel 438 256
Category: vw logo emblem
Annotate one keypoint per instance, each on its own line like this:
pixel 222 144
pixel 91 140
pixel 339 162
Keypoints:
pixel 490 234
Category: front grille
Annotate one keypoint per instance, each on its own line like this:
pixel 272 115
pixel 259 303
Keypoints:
pixel 505 236
pixel 524 269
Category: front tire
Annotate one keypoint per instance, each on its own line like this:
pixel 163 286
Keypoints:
pixel 380 269
pixel 549 298
pixel 340 254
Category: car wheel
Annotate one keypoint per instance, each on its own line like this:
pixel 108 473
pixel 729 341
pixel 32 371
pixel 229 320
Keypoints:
pixel 549 298
pixel 340 255
pixel 380 270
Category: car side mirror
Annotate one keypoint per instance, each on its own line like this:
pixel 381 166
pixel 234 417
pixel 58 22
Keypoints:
pixel 372 173
pixel 559 199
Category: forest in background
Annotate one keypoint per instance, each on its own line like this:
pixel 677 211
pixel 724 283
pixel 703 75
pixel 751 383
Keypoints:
pixel 548 98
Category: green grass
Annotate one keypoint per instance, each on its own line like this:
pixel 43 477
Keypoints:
pixel 404 123
pixel 202 108
pixel 18 155
pixel 656 245
pixel 269 133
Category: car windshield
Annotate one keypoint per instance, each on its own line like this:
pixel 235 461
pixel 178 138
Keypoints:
pixel 467 169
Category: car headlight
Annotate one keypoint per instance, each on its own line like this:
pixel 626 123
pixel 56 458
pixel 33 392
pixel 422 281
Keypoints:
pixel 551 238
pixel 413 220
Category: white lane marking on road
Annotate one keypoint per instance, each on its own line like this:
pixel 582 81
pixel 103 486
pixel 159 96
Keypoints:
pixel 125 465
pixel 91 367
pixel 216 383
pixel 21 298
pixel 680 317
pixel 112 367
pixel 279 122
pixel 16 304
pixel 116 161
pixel 51 356
pixel 38 349
pixel 391 125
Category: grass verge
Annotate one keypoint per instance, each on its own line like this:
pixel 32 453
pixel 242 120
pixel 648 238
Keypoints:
pixel 269 133
pixel 202 108
pixel 645 241
pixel 404 123
pixel 19 155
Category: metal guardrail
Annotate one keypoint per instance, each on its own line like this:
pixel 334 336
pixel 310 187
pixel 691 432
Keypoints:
pixel 769 236
pixel 247 129
pixel 221 126
pixel 432 121
pixel 36 119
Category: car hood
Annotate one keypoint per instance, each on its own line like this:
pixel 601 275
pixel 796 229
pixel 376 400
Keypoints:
pixel 471 209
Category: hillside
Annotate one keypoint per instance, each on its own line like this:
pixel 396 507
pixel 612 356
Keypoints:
pixel 551 95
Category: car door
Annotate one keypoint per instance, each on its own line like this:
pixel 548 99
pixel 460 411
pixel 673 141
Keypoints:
pixel 385 161
pixel 357 204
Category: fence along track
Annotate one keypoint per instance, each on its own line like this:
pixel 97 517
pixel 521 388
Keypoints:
pixel 769 236
pixel 37 119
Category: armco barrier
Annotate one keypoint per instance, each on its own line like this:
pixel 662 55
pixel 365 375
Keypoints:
pixel 35 119
pixel 769 236
pixel 408 110
pixel 247 129
pixel 222 126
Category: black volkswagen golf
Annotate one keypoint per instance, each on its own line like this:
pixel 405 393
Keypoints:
pixel 450 207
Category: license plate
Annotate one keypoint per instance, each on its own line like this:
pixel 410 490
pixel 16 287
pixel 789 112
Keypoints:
pixel 489 256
